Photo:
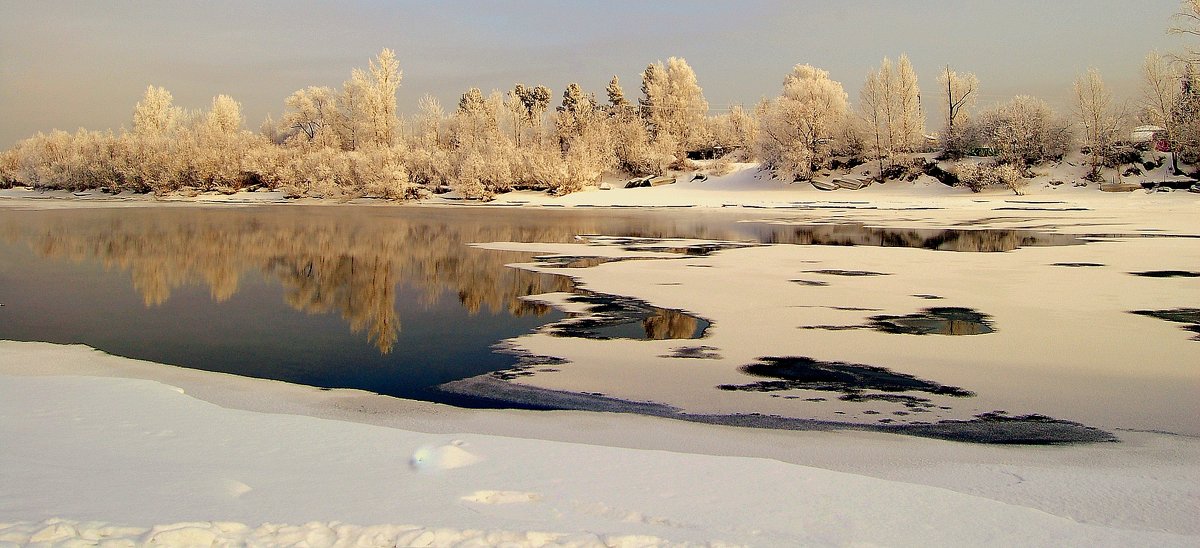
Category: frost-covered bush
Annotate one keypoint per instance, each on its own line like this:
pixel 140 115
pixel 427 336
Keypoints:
pixel 1024 130
pixel 8 168
pixel 61 160
pixel 735 130
pixel 982 175
pixel 380 172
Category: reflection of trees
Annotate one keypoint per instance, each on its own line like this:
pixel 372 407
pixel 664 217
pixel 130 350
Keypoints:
pixel 669 324
pixel 362 290
pixel 944 240
pixel 326 260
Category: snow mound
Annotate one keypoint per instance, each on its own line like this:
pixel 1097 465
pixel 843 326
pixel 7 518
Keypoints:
pixel 442 457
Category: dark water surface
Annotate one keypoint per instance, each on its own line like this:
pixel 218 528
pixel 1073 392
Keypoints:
pixel 390 300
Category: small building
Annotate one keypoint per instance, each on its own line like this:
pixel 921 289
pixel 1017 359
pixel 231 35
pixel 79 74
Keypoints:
pixel 1147 134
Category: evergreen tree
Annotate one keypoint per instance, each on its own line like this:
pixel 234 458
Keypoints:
pixel 616 96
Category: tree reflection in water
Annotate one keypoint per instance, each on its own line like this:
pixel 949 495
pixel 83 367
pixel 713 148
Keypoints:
pixel 326 261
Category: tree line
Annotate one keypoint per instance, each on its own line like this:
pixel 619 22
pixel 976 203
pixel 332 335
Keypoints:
pixel 351 142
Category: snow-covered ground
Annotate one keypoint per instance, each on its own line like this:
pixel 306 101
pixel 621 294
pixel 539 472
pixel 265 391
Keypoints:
pixel 91 453
pixel 97 448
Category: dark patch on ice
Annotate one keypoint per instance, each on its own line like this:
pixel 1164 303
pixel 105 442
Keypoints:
pixel 837 272
pixel 927 296
pixel 694 250
pixel 832 327
pixel 528 363
pixel 615 317
pixel 637 243
pixel 1188 316
pixel 804 373
pixel 578 261
pixel 1167 274
pixel 694 352
pixel 959 240
pixel 1010 208
pixel 930 321
pixel 996 427
pixel 699 265
pixel 1000 428
pixel 810 283
pixel 935 321
pixel 1077 265
pixel 911 402
pixel 847 308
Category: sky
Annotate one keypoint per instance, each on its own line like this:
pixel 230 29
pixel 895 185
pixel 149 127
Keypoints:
pixel 70 64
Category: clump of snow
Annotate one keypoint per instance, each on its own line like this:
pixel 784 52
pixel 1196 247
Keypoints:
pixel 442 457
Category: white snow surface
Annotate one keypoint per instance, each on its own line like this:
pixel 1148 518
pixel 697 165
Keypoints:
pixel 92 454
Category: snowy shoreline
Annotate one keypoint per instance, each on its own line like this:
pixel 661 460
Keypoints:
pixel 123 449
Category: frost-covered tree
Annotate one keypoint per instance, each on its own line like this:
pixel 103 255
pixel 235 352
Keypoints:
pixel 959 93
pixel 890 104
pixel 798 128
pixel 1187 22
pixel 734 130
pixel 221 146
pixel 584 137
pixel 310 114
pixel 225 117
pixel 673 105
pixel 616 95
pixel 1187 116
pixel 1160 94
pixel 378 113
pixel 155 115
pixel 366 105
pixel 909 118
pixel 428 127
pixel 1097 116
pixel 654 93
pixel 872 106
pixel 686 105
pixel 573 113
pixel 529 105
pixel 472 118
pixel 155 155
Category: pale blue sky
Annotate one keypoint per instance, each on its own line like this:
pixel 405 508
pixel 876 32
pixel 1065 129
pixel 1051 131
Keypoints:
pixel 70 64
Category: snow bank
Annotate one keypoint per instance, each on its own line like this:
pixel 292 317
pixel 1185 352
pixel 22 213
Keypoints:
pixel 133 459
